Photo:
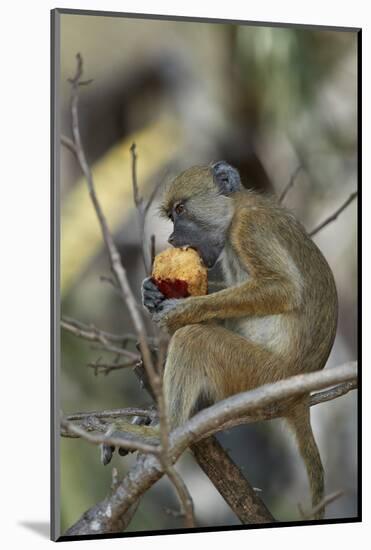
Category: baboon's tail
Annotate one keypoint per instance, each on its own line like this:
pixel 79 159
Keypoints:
pixel 299 421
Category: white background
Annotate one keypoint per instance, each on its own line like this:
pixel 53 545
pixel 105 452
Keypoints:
pixel 24 216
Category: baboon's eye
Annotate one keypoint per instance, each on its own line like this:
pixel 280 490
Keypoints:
pixel 179 208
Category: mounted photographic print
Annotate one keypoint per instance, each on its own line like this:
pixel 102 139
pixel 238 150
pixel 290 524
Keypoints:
pixel 205 191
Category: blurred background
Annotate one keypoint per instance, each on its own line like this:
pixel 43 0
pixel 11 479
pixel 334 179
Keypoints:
pixel 267 100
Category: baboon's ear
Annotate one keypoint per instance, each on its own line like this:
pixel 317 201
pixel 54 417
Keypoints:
pixel 226 177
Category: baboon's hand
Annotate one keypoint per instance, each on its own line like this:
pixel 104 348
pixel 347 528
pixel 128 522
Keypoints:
pixel 156 303
pixel 152 298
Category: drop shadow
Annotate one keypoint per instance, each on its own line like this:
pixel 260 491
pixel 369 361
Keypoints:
pixel 42 528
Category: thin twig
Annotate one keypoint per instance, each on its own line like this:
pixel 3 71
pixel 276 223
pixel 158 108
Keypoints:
pixel 110 281
pixel 187 508
pixel 88 331
pixel 138 200
pixel 152 249
pixel 139 204
pixel 142 208
pixel 332 393
pixel 68 143
pixel 106 368
pixel 95 335
pixel 152 196
pixel 290 183
pixel 130 443
pixel 334 215
pixel 113 413
pixel 320 506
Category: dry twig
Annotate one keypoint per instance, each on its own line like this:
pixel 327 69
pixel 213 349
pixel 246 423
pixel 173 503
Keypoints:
pixel 290 184
pixel 93 334
pixel 320 506
pixel 142 209
pixel 68 143
pixel 334 215
pixel 130 442
pixel 106 368
pixel 114 413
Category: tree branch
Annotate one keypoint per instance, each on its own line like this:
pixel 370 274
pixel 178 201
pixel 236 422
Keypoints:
pixel 139 204
pixel 145 474
pixel 334 215
pixel 129 441
pixel 290 184
pixel 113 413
pixel 68 143
pixel 320 506
pixel 278 409
pixel 106 368
pixel 93 334
pixel 230 482
pixel 268 413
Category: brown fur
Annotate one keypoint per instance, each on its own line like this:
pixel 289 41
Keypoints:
pixel 279 311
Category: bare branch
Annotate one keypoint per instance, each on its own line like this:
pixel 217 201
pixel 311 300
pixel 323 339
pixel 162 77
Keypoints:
pixel 334 215
pixel 320 506
pixel 144 475
pixel 93 334
pixel 152 195
pixel 129 442
pixel 333 393
pixel 107 368
pixel 275 410
pixel 230 482
pixel 153 249
pixel 139 203
pixel 68 143
pixel 88 331
pixel 290 183
pixel 138 200
pixel 142 209
pixel 113 413
pixel 278 409
pixel 185 498
pixel 208 420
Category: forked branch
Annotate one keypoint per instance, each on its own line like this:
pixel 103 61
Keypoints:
pixel 145 474
pixel 334 216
